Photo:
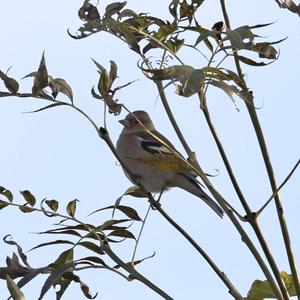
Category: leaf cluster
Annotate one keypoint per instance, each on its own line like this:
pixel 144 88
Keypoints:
pixel 94 239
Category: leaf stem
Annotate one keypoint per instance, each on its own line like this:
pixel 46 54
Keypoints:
pixel 140 234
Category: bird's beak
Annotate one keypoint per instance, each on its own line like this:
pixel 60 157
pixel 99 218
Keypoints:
pixel 124 122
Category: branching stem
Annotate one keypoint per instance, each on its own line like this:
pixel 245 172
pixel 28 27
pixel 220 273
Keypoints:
pixel 263 147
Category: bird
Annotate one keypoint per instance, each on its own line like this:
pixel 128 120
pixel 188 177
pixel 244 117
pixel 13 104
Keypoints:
pixel 154 161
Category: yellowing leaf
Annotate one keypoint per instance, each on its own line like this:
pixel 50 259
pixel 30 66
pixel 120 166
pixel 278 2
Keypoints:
pixel 71 207
pixel 262 289
pixel 14 290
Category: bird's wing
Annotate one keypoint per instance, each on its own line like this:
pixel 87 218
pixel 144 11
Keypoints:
pixel 161 145
pixel 161 153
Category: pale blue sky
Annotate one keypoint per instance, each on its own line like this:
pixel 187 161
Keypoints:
pixel 57 154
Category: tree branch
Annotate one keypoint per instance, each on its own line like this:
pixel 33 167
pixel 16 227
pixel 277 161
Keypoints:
pixel 279 188
pixel 218 197
pixel 258 130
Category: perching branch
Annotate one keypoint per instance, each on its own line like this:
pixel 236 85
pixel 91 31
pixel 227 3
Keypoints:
pixel 105 136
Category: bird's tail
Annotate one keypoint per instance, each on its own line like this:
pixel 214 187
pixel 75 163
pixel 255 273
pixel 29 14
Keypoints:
pixel 190 184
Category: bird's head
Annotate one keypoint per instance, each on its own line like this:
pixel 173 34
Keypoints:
pixel 137 121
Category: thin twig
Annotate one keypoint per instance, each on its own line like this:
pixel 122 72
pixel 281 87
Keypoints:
pixel 140 234
pixel 279 188
pixel 134 274
pixel 224 157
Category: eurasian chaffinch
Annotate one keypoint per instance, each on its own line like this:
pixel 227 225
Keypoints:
pixel 154 161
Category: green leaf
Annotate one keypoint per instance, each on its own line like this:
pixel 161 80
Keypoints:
pixel 107 224
pixel 262 289
pixel 31 274
pixel 114 8
pixel 83 227
pixel 113 72
pixel 71 207
pixel 26 209
pixel 174 44
pixel 126 31
pixel 245 33
pixel 289 283
pixel 14 290
pixel 191 79
pixel 128 211
pixel 230 90
pixel 41 79
pixel 10 83
pixel 235 39
pixel 7 193
pixel 128 13
pixel 204 34
pixel 186 10
pixel 193 84
pixel 54 277
pixel 92 246
pixel 100 67
pixel 47 107
pixel 52 204
pixel 173 8
pixel 250 62
pixel 65 257
pixel 57 242
pixel 88 29
pixel 265 50
pixel 124 233
pixel 70 276
pixel 3 204
pixel 197 2
pixel 136 192
pixel 59 85
pixel 30 199
pixel 63 231
pixel 104 84
pixel 261 25
pixel 94 259
pixel 88 12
